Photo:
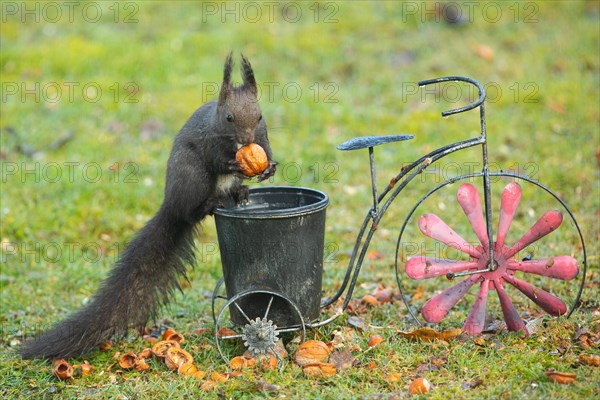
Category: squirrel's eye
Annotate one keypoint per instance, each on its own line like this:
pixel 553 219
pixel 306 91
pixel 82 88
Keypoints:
pixel 229 117
pixel 260 117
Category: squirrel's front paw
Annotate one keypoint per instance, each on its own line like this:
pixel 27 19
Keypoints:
pixel 235 169
pixel 211 204
pixel 241 195
pixel 269 172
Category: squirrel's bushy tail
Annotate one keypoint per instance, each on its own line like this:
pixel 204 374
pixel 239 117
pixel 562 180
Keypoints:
pixel 143 279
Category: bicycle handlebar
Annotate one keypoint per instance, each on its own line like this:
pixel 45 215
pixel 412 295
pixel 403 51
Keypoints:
pixel 462 79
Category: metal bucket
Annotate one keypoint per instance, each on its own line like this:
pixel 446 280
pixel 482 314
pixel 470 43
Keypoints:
pixel 275 242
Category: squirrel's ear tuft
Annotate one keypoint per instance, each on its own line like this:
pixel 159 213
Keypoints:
pixel 226 86
pixel 248 75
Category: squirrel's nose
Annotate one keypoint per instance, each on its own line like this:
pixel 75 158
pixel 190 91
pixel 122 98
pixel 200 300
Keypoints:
pixel 248 136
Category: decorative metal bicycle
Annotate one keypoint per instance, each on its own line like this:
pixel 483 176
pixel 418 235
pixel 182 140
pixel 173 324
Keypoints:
pixel 262 304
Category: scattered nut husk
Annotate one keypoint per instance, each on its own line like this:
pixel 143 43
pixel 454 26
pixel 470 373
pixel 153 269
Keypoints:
pixel 370 300
pixel 311 352
pixel 187 369
pixel 235 374
pixel 145 353
pixel 128 360
pixel 208 385
pixel 224 332
pixel 141 365
pixel 370 365
pixel 218 377
pixel 86 368
pixel 564 378
pixel 63 370
pixel 176 357
pixel 170 334
pixel 393 377
pixel 149 338
pixel 374 340
pixel 199 374
pixel 590 359
pixel 160 348
pixel 167 333
pixel 419 386
pixel 242 362
pixel 319 370
pixel 106 345
pixel 267 362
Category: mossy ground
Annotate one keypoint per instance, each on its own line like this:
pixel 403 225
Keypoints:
pixel 117 81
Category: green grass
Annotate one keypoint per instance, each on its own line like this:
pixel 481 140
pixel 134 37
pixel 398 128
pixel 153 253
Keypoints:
pixel 356 66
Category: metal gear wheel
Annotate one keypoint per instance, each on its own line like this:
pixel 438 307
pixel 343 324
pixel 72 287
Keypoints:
pixel 260 335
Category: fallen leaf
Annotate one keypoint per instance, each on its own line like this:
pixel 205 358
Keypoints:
pixel 374 340
pixel 208 386
pixel 449 334
pixel 439 361
pixel 370 365
pixel 369 299
pixel 585 341
pixel 535 324
pixel 495 326
pixel 202 331
pixel 342 360
pixel 583 330
pixel 472 385
pixel 375 255
pixel 564 378
pixel 418 293
pixel 384 295
pixel 225 332
pixel 556 106
pixel 428 334
pixel 356 307
pixel 106 345
pixel 264 386
pixel 280 349
pixel 393 377
pixel 319 370
pixel 422 368
pixel 358 323
pixel 484 52
pixel 590 359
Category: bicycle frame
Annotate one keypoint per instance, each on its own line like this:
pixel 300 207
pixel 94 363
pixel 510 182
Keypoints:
pixel 382 201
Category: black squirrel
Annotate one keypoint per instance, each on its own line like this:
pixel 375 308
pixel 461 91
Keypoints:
pixel 201 172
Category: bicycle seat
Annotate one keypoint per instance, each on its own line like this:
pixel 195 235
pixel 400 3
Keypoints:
pixel 361 142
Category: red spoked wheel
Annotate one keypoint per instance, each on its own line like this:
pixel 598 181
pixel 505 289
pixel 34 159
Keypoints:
pixel 477 269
